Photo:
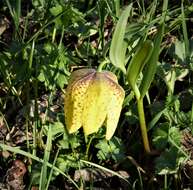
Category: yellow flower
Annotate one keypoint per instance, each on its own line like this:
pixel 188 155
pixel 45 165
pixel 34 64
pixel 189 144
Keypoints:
pixel 91 99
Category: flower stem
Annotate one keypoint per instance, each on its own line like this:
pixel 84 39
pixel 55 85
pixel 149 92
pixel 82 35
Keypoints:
pixel 88 146
pixel 102 64
pixel 143 125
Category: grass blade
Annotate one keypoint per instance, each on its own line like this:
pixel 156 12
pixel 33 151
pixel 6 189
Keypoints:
pixel 17 150
pixel 15 11
pixel 184 29
pixel 52 169
pixel 105 169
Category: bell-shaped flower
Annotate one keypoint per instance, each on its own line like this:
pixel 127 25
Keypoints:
pixel 93 98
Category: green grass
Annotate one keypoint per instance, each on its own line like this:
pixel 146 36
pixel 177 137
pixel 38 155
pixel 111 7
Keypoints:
pixel 146 44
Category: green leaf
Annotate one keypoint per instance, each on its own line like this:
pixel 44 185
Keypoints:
pixel 152 63
pixel 165 134
pixel 56 10
pixel 74 141
pixel 57 128
pixel 138 61
pixel 111 149
pixel 65 15
pixel 169 161
pixel 118 46
pixel 150 70
pixel 174 136
pixel 53 70
pixel 180 51
pixel 64 143
pixel 61 80
pixel 35 174
pixel 160 136
pixel 155 119
pixel 65 162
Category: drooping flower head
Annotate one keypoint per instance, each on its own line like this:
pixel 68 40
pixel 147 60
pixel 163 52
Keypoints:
pixel 93 98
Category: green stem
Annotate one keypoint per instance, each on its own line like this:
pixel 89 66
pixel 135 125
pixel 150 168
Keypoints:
pixel 54 35
pixel 191 116
pixel 102 64
pixel 28 100
pixel 184 30
pixel 165 182
pixel 143 125
pixel 137 92
pixel 5 121
pixel 52 169
pixel 88 147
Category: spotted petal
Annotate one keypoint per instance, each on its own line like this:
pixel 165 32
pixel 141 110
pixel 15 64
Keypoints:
pixel 114 109
pixel 110 76
pixel 91 98
pixel 96 102
pixel 78 74
pixel 74 99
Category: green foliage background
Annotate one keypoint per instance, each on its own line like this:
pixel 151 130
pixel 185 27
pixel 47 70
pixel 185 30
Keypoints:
pixel 42 42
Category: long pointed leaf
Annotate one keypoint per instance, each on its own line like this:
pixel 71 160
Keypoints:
pixel 138 61
pixel 152 63
pixel 118 46
pixel 150 70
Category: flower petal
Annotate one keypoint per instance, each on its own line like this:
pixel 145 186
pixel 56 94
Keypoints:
pixel 91 97
pixel 114 109
pixel 74 99
pixel 78 74
pixel 111 76
pixel 96 102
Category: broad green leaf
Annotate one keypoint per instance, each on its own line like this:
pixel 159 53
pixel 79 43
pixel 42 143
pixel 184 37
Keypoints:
pixel 118 46
pixel 150 70
pixel 113 148
pixel 169 161
pixel 138 61
pixel 160 136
